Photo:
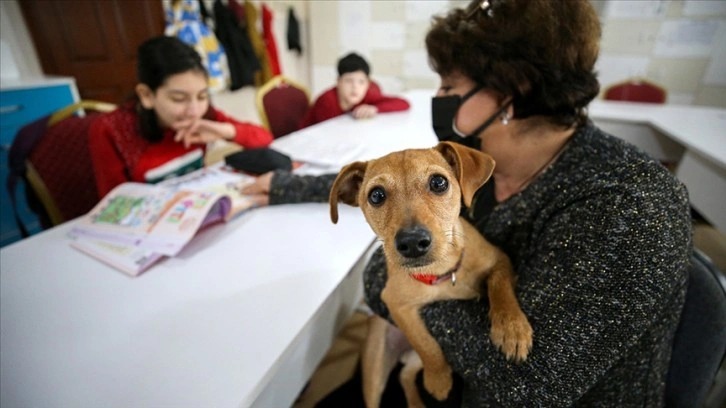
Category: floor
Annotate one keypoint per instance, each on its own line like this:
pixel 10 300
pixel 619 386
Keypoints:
pixel 339 364
pixel 712 243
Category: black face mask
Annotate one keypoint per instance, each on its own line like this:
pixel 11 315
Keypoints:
pixel 443 115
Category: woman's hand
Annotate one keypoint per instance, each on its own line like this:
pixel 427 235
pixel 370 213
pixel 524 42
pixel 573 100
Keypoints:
pixel 202 131
pixel 259 190
pixel 365 112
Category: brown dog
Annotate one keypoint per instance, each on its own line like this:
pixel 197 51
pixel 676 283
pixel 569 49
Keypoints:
pixel 412 201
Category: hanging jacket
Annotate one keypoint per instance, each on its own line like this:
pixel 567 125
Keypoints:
pixel 243 62
pixel 206 17
pixel 293 32
pixel 265 74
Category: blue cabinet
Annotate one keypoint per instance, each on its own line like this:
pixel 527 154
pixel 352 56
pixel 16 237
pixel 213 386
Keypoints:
pixel 21 102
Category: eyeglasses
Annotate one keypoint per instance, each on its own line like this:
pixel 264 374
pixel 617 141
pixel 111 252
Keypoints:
pixel 485 6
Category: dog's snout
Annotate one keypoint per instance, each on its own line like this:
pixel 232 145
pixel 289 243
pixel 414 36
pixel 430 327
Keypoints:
pixel 413 242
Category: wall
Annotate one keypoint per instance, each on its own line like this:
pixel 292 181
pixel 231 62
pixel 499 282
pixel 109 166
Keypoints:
pixel 389 34
pixel 673 43
pixel 677 43
pixel 17 54
pixel 680 45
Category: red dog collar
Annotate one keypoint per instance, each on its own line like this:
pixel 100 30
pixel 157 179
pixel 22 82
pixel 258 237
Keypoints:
pixel 431 279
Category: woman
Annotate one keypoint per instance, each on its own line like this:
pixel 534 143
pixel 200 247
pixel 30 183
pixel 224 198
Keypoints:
pixel 164 129
pixel 598 232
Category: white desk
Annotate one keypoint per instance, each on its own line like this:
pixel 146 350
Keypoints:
pixel 240 318
pixel 692 136
pixel 349 139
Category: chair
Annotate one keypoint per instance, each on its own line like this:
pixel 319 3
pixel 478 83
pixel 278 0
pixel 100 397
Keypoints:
pixel 282 103
pixel 700 340
pixel 636 90
pixel 58 168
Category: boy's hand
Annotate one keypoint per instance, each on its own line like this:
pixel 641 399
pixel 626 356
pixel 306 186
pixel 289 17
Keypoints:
pixel 365 112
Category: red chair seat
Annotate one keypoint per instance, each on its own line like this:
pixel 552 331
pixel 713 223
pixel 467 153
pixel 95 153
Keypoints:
pixel 636 91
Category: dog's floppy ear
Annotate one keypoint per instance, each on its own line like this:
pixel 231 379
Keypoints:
pixel 472 167
pixel 345 187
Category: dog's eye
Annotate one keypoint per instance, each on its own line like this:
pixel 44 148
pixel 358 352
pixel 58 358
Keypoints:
pixel 377 196
pixel 438 183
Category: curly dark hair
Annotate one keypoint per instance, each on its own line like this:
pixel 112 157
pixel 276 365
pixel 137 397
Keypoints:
pixel 541 53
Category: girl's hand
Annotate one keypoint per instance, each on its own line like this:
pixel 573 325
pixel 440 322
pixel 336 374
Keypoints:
pixel 202 131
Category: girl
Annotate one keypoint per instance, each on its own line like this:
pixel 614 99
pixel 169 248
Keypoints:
pixel 163 131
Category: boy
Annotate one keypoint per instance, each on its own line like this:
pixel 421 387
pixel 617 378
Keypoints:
pixel 354 93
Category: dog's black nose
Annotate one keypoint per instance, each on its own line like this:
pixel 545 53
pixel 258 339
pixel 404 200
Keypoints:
pixel 413 242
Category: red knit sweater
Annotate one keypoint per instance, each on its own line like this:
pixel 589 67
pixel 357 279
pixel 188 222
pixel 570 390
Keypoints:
pixel 327 106
pixel 119 153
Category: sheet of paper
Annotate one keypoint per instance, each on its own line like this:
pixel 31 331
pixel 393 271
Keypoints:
pixel 218 179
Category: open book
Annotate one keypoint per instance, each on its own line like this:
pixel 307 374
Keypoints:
pixel 137 224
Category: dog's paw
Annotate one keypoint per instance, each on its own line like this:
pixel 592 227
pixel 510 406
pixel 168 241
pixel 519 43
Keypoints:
pixel 512 334
pixel 438 382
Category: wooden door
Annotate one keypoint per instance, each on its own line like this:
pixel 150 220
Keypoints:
pixel 93 41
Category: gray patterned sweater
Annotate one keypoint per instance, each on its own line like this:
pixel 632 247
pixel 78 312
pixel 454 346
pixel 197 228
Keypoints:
pixel 601 243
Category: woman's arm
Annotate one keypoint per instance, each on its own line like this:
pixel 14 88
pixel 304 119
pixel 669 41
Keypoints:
pixel 283 187
pixel 288 188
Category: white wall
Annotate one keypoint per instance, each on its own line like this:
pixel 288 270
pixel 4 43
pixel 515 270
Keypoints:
pixel 17 54
pixel 389 34
pixel 679 44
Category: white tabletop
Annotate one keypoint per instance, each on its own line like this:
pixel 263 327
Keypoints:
pixel 349 139
pixel 215 326
pixel 699 128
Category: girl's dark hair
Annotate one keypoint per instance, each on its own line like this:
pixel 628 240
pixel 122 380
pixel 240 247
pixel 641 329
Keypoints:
pixel 540 52
pixel 158 59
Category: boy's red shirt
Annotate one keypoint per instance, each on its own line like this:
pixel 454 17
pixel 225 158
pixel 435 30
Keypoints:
pixel 119 153
pixel 327 106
